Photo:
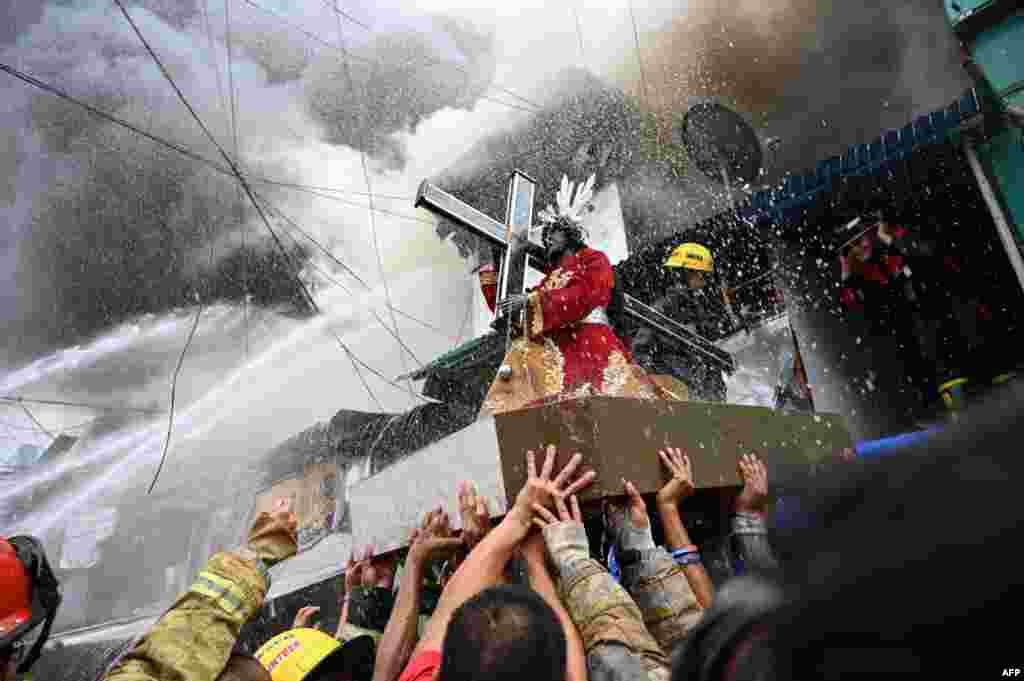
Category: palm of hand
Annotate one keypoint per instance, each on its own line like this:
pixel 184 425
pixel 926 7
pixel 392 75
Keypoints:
pixel 434 538
pixel 675 490
pixel 754 496
pixel 637 508
pixel 536 491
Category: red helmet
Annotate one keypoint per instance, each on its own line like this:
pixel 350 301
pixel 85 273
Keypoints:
pixel 29 595
pixel 15 591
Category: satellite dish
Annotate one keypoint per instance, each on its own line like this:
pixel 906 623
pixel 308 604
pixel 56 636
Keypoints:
pixel 719 139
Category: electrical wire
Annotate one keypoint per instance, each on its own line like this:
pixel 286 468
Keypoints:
pixel 356 360
pixel 213 54
pixel 238 190
pixel 174 388
pixel 294 185
pixel 234 168
pixel 256 204
pixel 639 57
pixel 382 211
pixel 32 416
pixel 349 270
pixel 188 153
pixel 199 158
pixel 435 62
pixel 579 31
pixel 345 15
pixel 369 190
pixel 330 278
pixel 52 89
pixel 17 399
pixel 230 169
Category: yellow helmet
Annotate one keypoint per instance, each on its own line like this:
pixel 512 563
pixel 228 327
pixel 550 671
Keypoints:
pixel 295 654
pixel 691 256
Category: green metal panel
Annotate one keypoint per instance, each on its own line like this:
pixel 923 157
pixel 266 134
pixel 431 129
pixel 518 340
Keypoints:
pixel 999 52
pixel 1005 153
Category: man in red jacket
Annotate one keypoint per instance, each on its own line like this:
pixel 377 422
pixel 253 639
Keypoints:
pixel 900 285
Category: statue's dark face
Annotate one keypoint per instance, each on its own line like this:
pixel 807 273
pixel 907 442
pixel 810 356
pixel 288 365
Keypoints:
pixel 556 242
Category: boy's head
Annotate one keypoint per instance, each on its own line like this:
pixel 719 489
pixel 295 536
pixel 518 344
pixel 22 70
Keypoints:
pixel 243 668
pixel 507 632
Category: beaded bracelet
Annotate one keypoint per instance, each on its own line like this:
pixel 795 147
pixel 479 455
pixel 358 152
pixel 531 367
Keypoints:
pixel 686 555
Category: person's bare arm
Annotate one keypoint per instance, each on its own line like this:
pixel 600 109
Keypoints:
pixel 396 645
pixel 534 552
pixel 749 523
pixel 353 577
pixel 486 563
pixel 476 523
pixel 676 537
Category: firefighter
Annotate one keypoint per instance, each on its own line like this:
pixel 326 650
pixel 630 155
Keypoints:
pixel 193 640
pixel 896 282
pixel 311 655
pixel 691 299
pixel 29 597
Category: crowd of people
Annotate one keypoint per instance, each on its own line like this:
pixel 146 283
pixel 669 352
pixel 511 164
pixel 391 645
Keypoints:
pixel 879 563
pixel 523 595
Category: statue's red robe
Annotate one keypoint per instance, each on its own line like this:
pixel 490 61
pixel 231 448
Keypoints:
pixel 565 352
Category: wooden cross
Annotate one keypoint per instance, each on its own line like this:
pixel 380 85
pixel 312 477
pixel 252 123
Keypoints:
pixel 512 275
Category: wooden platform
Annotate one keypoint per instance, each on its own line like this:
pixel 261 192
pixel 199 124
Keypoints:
pixel 618 438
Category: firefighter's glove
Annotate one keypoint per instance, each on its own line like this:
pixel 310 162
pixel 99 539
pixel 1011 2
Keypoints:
pixel 273 538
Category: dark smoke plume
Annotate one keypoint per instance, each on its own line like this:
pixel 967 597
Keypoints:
pixel 819 74
pixel 98 225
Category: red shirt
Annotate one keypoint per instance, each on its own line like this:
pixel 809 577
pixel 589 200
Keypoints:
pixel 423 667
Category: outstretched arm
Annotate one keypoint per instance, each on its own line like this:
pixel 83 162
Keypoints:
pixel 676 537
pixel 193 640
pixel 748 525
pixel 430 541
pixel 534 553
pixel 616 642
pixel 486 563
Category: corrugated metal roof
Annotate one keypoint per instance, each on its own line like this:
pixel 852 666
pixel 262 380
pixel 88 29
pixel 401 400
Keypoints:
pixel 874 158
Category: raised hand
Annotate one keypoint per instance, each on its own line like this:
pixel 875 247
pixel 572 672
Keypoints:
pixel 382 573
pixel 476 518
pixel 273 536
pixel 754 474
pixel 566 513
pixel 681 485
pixel 637 507
pixel 434 539
pixel 303 616
pixel 354 570
pixel 541 489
